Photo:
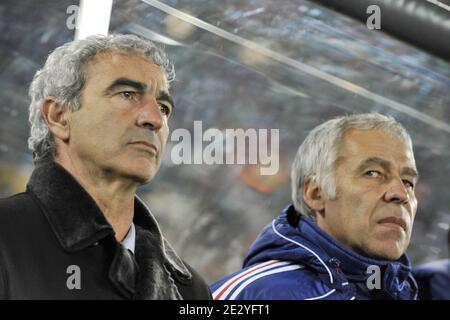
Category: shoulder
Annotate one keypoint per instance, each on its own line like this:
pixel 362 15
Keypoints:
pixel 271 280
pixel 19 220
pixel 2 277
pixel 12 205
pixel 433 279
pixel 13 208
pixel 194 288
pixel 16 210
pixel 432 268
pixel 17 217
pixel 2 281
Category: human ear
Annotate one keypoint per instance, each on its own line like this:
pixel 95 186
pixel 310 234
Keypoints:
pixel 56 117
pixel 314 196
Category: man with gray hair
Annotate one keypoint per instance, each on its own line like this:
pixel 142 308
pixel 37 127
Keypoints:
pixel 99 123
pixel 353 182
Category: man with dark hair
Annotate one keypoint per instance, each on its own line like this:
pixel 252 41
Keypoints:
pixel 434 278
pixel 99 124
pixel 353 182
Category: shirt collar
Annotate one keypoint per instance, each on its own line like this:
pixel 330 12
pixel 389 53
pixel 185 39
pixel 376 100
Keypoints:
pixel 129 242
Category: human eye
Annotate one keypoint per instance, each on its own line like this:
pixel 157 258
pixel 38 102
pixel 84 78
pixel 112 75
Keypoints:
pixel 165 109
pixel 129 95
pixel 408 183
pixel 372 173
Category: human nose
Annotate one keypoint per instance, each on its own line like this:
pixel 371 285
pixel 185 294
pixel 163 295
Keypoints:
pixel 150 116
pixel 397 192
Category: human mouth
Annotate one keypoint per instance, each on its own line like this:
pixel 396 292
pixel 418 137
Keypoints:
pixel 393 222
pixel 146 145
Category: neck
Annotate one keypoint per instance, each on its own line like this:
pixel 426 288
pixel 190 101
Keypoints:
pixel 113 195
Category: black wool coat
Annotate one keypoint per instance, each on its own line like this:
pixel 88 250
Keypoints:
pixel 55 243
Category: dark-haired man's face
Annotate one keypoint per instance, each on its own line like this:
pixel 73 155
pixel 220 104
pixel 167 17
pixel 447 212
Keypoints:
pixel 374 209
pixel 121 128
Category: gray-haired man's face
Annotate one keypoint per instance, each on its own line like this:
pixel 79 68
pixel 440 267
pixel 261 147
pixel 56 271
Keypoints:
pixel 374 209
pixel 122 125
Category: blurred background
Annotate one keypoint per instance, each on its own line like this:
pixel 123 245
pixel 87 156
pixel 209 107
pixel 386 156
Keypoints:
pixel 263 64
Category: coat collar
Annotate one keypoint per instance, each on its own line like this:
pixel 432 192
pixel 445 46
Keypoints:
pixel 72 213
pixel 78 223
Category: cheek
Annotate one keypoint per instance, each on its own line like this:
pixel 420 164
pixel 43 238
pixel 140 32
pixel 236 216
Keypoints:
pixel 365 197
pixel 352 197
pixel 163 136
pixel 89 123
pixel 358 209
pixel 413 208
pixel 102 133
pixel 83 130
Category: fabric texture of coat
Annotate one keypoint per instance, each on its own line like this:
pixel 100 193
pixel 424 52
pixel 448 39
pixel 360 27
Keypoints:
pixel 55 243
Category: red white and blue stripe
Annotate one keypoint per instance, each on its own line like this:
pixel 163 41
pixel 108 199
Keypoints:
pixel 231 288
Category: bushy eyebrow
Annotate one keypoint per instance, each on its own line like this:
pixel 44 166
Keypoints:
pixel 386 165
pixel 411 172
pixel 141 87
pixel 125 82
pixel 164 96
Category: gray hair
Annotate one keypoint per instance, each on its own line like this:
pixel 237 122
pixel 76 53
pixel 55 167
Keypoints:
pixel 316 157
pixel 64 76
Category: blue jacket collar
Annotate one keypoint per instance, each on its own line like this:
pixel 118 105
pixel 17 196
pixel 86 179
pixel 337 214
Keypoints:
pixel 301 240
